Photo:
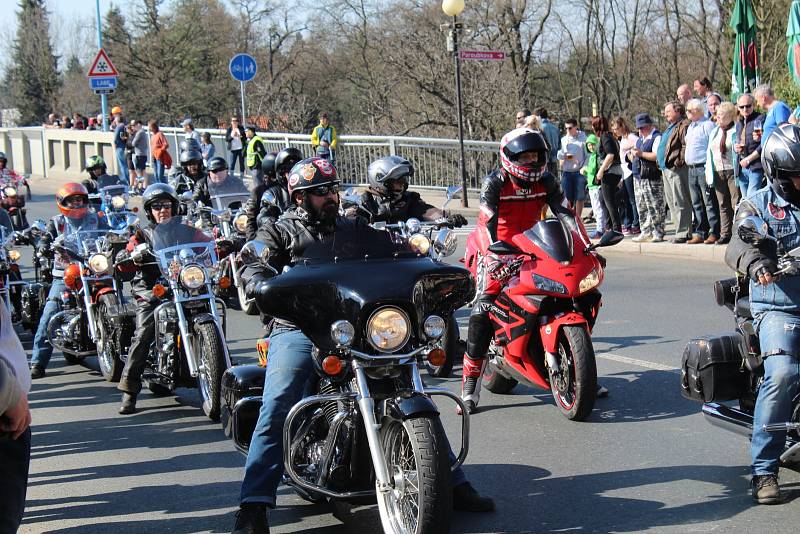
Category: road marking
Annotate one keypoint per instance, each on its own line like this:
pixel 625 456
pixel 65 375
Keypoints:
pixel 634 361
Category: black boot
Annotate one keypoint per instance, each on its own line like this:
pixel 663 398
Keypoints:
pixel 467 499
pixel 37 372
pixel 128 405
pixel 251 519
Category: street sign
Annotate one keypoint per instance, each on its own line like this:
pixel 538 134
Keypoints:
pixel 243 67
pixel 103 83
pixel 104 91
pixel 482 55
pixel 102 66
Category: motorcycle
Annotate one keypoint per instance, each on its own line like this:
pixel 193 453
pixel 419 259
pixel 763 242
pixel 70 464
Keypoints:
pixel 94 316
pixel 113 201
pixel 11 284
pixel 544 315
pixel 34 294
pixel 12 201
pixel 727 367
pixel 371 429
pixel 189 348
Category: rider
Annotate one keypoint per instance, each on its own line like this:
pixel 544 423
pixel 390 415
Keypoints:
pixel 4 170
pixel 254 203
pixel 512 200
pixel 218 178
pixel 191 171
pixel 388 199
pixel 774 302
pixel 98 175
pixel 275 199
pixel 73 203
pixel 160 203
pixel 313 186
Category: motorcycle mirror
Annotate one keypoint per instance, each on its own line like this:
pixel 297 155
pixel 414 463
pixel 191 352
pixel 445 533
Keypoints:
pixel 38 226
pixel 445 243
pixel 186 196
pixel 413 225
pixel 452 192
pixel 380 225
pixel 254 252
pixel 504 248
pixel 753 229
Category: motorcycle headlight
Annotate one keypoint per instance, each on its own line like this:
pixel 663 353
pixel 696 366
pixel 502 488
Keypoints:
pixel 192 276
pixel 342 333
pixel 14 255
pixel 590 281
pixel 10 191
pixel 419 243
pixel 388 329
pixel 118 202
pixel 446 242
pixel 550 286
pixel 434 327
pixel 240 223
pixel 98 263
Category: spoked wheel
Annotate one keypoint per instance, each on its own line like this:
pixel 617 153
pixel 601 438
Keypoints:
pixel 208 348
pixel 247 306
pixel 420 500
pixel 574 386
pixel 107 356
pixel 453 350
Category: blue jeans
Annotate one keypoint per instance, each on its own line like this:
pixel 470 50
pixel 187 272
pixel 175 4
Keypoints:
pixel 704 203
pixel 574 186
pixel 233 157
pixel 123 164
pixel 290 370
pixel 631 214
pixel 777 331
pixel 42 349
pixel 750 181
pixel 158 172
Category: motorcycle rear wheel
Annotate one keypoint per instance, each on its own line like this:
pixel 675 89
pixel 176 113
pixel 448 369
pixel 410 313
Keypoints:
pixel 421 499
pixel 574 388
pixel 208 347
pixel 107 357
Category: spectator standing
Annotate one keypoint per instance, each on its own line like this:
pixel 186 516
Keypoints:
pixel 189 131
pixel 235 137
pixel 777 112
pixel 572 158
pixel 66 123
pixel 15 420
pixel 609 170
pixel 684 93
pixel 712 103
pixel 51 122
pixel 120 143
pixel 92 124
pixel 159 148
pixel 589 171
pixel 130 132
pixel 702 88
pixel 324 139
pixel 648 183
pixel 256 151
pixel 704 202
pixel 747 165
pixel 139 154
pixel 206 148
pixel 553 138
pixel 522 114
pixel 719 168
pixel 627 142
pixel 670 156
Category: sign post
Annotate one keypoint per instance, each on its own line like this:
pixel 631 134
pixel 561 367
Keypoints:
pixel 243 68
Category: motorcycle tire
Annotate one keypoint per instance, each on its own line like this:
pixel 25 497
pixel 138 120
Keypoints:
pixel 496 382
pixel 453 349
pixel 208 348
pixel 575 387
pixel 250 307
pixel 416 452
pixel 108 356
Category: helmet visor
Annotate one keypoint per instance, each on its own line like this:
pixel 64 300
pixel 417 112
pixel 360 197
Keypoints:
pixel 529 142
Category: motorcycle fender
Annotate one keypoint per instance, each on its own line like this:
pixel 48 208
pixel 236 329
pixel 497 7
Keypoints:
pixel 406 407
pixel 203 318
pixel 550 329
pixel 100 293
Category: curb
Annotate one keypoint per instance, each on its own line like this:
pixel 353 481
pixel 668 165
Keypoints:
pixel 714 253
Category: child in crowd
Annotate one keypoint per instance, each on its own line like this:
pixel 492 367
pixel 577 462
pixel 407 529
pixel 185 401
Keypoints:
pixel 207 148
pixel 590 172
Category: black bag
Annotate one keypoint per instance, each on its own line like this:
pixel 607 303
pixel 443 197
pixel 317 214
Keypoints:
pixel 242 388
pixel 711 368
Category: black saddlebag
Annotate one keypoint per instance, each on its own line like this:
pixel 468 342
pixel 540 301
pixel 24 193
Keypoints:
pixel 711 368
pixel 240 382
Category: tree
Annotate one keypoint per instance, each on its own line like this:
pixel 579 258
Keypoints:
pixel 33 80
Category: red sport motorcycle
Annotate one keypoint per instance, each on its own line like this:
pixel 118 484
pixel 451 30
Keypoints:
pixel 543 317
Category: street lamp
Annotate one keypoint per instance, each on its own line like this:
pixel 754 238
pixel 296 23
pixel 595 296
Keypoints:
pixel 453 8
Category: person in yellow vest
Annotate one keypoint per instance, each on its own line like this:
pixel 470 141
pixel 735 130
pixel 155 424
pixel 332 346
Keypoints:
pixel 255 154
pixel 324 140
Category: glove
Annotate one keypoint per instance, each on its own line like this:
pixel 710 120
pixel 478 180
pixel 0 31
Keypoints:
pixel 762 268
pixel 457 220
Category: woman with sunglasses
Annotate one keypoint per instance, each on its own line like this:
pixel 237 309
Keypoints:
pixel 747 145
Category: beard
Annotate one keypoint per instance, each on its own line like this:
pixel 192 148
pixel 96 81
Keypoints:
pixel 326 214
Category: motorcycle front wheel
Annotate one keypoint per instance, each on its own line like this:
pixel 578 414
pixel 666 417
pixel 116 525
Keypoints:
pixel 107 357
pixel 574 386
pixel 421 498
pixel 211 356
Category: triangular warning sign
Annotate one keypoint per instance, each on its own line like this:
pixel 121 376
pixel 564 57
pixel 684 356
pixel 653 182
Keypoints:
pixel 102 66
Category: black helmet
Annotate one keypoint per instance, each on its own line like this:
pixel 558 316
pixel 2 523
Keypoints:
pixel 191 156
pixel 190 143
pixel 310 173
pixel 517 142
pixel 268 166
pixel 781 160
pixel 388 168
pixel 3 157
pixel 217 164
pixel 156 192
pixel 286 159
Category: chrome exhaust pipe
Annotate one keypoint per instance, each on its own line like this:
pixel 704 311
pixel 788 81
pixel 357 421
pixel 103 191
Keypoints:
pixel 728 418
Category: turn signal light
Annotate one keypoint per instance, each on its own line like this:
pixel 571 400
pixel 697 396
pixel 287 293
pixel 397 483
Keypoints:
pixel 159 291
pixel 135 209
pixel 332 365
pixel 262 346
pixel 224 282
pixel 437 357
pixel 72 276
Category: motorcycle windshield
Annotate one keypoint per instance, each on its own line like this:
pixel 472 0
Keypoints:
pixel 231 193
pixel 114 197
pixel 177 244
pixel 551 236
pixel 354 272
pixel 86 242
pixel 108 180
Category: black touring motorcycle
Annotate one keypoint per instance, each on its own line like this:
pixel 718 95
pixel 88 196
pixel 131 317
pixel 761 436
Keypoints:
pixel 374 309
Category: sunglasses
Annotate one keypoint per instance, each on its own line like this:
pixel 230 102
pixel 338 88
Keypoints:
pixel 158 206
pixel 323 190
pixel 746 106
pixel 75 202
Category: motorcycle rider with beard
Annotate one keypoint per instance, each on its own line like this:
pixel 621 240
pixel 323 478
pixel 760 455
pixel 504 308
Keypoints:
pixel 160 203
pixel 512 200
pixel 73 203
pixel 388 199
pixel 774 302
pixel 313 217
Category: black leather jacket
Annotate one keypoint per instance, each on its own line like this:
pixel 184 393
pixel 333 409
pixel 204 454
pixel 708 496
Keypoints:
pixel 259 208
pixel 145 276
pixel 392 211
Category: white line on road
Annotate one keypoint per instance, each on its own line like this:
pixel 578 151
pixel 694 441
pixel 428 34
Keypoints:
pixel 634 361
